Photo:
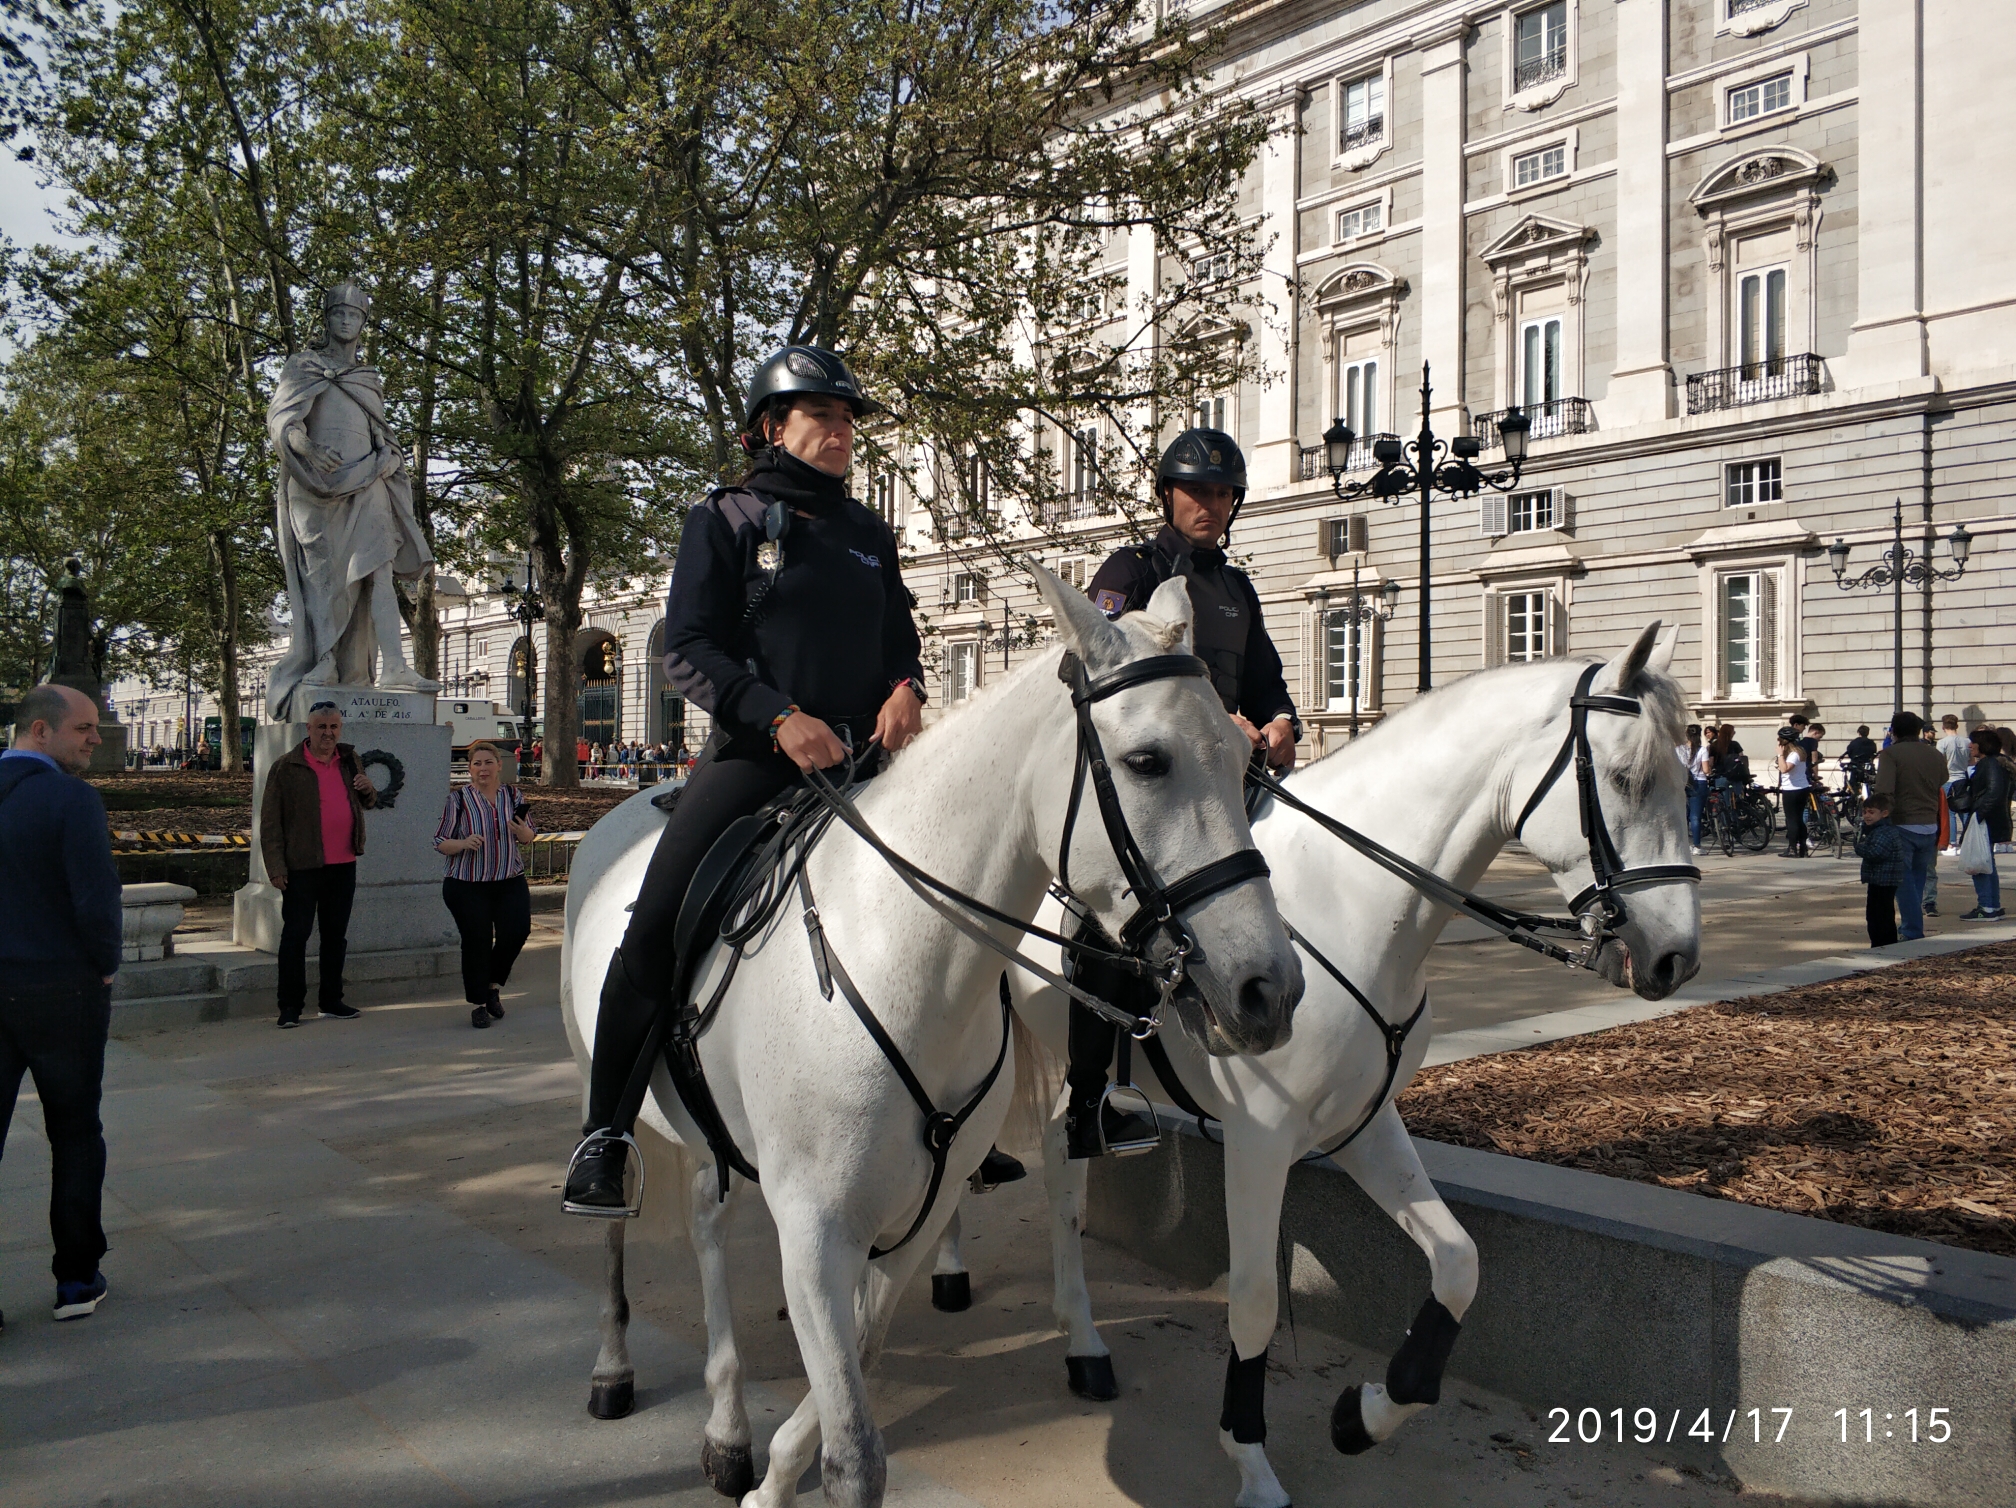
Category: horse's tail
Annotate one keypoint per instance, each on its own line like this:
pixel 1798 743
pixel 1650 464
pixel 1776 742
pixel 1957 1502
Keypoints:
pixel 1039 1080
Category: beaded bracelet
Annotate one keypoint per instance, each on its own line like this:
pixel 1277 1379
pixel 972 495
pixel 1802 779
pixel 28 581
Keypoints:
pixel 777 722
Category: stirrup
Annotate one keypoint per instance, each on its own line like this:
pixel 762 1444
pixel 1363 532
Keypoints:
pixel 1125 1099
pixel 628 1211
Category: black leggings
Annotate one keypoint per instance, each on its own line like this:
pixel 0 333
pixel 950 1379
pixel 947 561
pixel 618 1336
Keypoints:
pixel 1795 819
pixel 494 918
pixel 722 788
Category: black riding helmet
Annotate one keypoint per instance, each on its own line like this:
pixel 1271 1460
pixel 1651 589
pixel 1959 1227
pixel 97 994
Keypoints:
pixel 797 370
pixel 1203 455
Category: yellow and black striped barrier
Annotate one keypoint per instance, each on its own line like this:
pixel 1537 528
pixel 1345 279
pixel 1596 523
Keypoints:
pixel 131 838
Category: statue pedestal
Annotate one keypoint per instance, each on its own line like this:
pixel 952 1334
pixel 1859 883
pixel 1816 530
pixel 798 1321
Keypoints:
pixel 398 903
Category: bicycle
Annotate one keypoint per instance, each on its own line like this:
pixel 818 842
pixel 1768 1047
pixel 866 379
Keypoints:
pixel 1824 826
pixel 1756 818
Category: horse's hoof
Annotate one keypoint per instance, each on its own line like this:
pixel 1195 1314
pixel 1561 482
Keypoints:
pixel 730 1469
pixel 612 1400
pixel 1347 1423
pixel 1092 1377
pixel 951 1291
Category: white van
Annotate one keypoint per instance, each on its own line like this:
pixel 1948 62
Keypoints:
pixel 472 720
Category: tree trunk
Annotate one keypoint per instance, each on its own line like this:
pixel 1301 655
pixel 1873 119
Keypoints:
pixel 232 754
pixel 562 702
pixel 426 619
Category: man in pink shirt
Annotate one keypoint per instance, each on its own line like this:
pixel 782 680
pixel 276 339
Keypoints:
pixel 311 831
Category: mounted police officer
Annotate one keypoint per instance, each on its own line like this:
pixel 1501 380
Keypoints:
pixel 1201 481
pixel 789 623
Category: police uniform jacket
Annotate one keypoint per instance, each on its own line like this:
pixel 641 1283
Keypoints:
pixel 1230 636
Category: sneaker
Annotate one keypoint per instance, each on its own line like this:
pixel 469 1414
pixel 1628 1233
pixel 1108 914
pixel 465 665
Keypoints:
pixel 1951 853
pixel 479 1018
pixel 342 1012
pixel 1931 909
pixel 289 1022
pixel 75 1300
pixel 495 1004
pixel 1982 914
pixel 1695 851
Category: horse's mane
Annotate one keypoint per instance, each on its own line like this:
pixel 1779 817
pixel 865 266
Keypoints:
pixel 1648 743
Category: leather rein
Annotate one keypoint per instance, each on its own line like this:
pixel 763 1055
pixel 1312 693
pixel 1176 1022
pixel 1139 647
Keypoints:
pixel 1597 911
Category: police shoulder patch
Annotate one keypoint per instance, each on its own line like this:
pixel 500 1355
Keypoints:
pixel 1108 601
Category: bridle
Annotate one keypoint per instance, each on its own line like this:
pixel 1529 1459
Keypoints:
pixel 1611 877
pixel 1157 906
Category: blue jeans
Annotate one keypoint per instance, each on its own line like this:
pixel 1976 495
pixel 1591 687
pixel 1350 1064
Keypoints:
pixel 52 1025
pixel 1697 797
pixel 1988 887
pixel 1921 848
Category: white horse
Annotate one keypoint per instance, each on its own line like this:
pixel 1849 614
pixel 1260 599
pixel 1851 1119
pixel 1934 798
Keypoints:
pixel 836 1138
pixel 1442 782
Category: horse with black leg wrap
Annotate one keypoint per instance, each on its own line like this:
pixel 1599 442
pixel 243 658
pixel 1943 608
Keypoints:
pixel 861 1113
pixel 1575 759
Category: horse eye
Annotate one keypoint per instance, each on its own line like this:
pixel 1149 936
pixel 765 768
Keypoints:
pixel 1146 763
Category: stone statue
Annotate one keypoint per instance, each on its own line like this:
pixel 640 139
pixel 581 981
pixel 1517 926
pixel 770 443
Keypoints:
pixel 345 521
pixel 74 661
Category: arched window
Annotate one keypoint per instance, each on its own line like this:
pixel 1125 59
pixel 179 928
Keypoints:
pixel 665 708
pixel 600 655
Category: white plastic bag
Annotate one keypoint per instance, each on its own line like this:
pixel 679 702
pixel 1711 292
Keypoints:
pixel 1977 854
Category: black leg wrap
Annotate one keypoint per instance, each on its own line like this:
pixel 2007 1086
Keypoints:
pixel 951 1291
pixel 1092 1377
pixel 1347 1423
pixel 730 1469
pixel 1415 1373
pixel 612 1400
pixel 1245 1411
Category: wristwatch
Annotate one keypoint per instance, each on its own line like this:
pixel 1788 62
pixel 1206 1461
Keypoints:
pixel 916 686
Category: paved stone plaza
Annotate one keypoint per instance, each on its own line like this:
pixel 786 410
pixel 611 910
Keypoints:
pixel 339 1272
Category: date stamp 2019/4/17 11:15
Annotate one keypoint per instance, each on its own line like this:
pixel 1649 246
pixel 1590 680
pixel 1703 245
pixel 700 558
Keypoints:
pixel 1759 1426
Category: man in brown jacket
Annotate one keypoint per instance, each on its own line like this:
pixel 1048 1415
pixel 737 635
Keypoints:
pixel 1911 772
pixel 311 830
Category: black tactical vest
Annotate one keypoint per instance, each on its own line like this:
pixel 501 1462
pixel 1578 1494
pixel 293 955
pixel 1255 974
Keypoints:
pixel 1222 624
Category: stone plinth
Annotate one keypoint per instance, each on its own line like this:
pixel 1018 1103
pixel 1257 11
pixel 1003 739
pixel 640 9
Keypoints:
pixel 149 917
pixel 398 904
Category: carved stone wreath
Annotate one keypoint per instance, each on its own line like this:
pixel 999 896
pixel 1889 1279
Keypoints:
pixel 395 775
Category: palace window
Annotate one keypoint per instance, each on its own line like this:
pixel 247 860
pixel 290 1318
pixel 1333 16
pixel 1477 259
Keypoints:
pixel 962 670
pixel 1363 112
pixel 1211 269
pixel 1749 634
pixel 1347 654
pixel 882 497
pixel 1540 45
pixel 1525 626
pixel 1360 220
pixel 1760 321
pixel 1084 464
pixel 1540 362
pixel 1519 512
pixel 966 588
pixel 1358 399
pixel 1537 167
pixel 1212 412
pixel 1750 483
pixel 1763 97
pixel 1074 571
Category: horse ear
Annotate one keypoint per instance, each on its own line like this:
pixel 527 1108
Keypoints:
pixel 1171 603
pixel 1661 662
pixel 1084 629
pixel 1628 666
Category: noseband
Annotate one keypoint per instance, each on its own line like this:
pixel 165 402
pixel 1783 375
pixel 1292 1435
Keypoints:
pixel 1611 876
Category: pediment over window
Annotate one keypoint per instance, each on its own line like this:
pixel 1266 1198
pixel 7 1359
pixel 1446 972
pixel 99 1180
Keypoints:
pixel 1358 283
pixel 1536 235
pixel 1772 170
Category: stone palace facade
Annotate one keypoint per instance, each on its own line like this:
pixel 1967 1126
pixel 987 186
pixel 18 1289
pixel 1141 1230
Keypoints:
pixel 1744 263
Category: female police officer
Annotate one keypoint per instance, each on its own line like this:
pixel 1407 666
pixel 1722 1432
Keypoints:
pixel 789 623
pixel 1201 481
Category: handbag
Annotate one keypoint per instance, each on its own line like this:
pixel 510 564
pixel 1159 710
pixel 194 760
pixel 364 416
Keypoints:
pixel 1977 854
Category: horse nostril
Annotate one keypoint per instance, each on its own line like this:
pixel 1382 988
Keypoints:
pixel 1261 999
pixel 1670 970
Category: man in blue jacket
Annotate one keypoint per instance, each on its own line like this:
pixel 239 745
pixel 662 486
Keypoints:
pixel 59 947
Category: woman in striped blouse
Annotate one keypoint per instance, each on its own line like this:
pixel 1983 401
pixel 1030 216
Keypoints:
pixel 481 827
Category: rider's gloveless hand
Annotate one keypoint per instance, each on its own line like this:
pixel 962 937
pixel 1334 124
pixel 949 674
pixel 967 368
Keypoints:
pixel 809 743
pixel 901 718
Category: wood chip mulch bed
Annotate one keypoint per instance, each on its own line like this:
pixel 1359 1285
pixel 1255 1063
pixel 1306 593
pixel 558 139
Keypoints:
pixel 1885 1100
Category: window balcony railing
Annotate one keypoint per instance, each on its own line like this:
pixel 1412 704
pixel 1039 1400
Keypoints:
pixel 1362 459
pixel 1537 71
pixel 1753 382
pixel 1557 416
pixel 1738 7
pixel 1365 133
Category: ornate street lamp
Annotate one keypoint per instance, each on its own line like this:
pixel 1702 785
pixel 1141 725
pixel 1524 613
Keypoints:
pixel 527 607
pixel 1424 476
pixel 1901 565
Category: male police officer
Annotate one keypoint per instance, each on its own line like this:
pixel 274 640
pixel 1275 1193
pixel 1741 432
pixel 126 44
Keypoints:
pixel 1202 482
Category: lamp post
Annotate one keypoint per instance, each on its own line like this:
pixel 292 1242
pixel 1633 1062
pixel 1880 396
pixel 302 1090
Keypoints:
pixel 1423 477
pixel 1901 565
pixel 526 606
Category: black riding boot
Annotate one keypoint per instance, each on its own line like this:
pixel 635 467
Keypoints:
pixel 1090 1129
pixel 622 1022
